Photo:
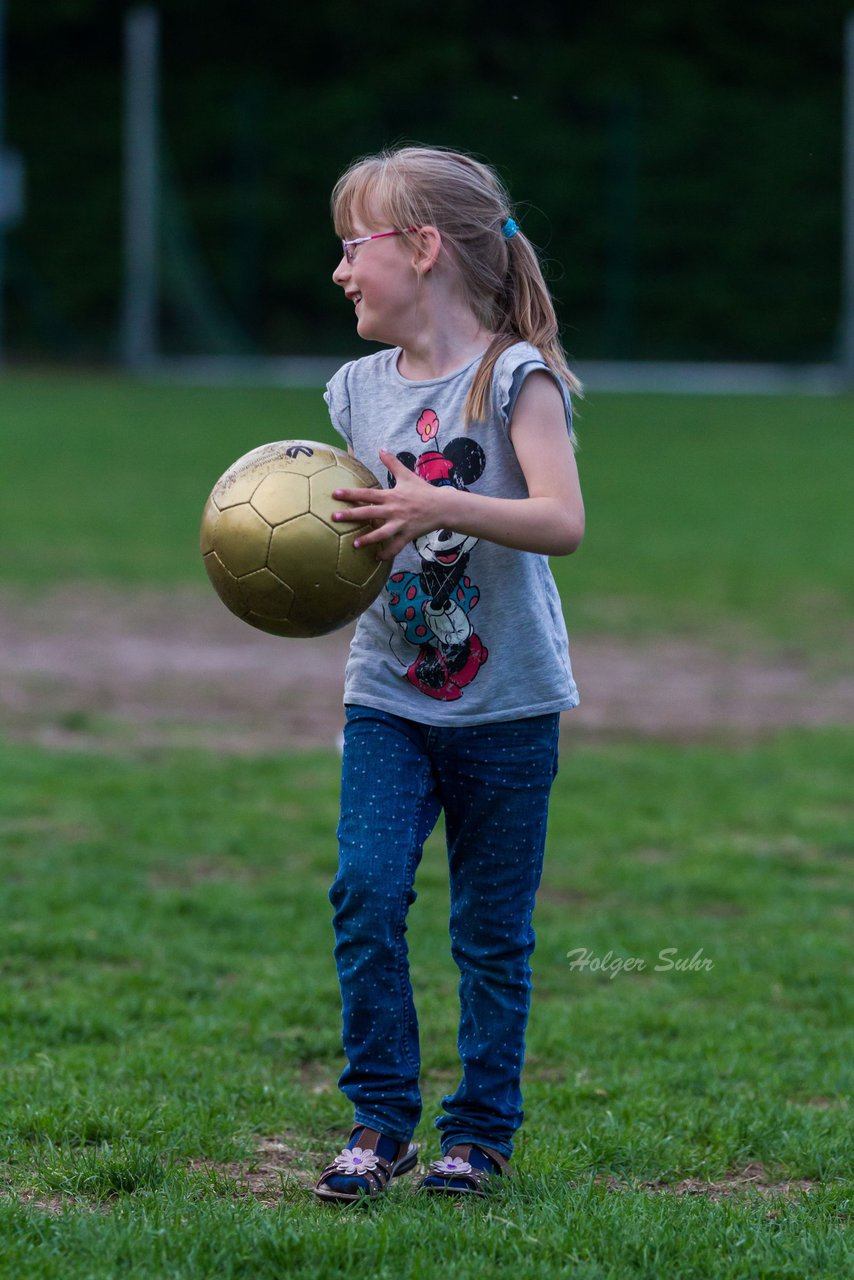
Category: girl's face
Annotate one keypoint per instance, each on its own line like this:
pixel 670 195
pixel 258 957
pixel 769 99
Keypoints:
pixel 381 282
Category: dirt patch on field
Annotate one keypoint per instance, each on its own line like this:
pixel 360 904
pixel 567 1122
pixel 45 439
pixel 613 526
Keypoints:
pixel 276 1170
pixel 56 1204
pixel 754 1177
pixel 86 666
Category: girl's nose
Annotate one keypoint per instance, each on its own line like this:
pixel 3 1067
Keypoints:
pixel 340 271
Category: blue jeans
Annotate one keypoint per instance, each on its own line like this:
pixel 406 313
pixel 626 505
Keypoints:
pixel 493 782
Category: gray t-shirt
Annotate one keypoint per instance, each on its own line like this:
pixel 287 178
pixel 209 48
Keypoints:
pixel 465 631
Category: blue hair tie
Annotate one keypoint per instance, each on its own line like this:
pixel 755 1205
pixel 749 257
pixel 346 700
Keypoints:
pixel 511 226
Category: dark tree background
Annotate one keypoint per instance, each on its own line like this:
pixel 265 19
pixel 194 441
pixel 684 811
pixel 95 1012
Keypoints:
pixel 680 166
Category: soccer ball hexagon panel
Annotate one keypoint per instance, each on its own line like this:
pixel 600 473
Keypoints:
pixel 271 549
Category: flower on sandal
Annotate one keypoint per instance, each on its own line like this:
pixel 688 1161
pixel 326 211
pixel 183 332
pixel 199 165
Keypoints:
pixel 450 1165
pixel 356 1160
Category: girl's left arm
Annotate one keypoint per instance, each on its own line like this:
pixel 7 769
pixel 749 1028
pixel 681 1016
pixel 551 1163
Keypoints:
pixel 549 521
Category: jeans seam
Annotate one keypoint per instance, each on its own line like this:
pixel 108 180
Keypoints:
pixel 409 881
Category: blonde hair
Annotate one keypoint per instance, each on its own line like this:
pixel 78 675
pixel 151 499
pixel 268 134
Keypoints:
pixel 416 186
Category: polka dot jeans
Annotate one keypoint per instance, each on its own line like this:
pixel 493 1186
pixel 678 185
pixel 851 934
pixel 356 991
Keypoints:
pixel 493 782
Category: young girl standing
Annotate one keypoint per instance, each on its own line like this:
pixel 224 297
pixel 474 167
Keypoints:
pixel 459 670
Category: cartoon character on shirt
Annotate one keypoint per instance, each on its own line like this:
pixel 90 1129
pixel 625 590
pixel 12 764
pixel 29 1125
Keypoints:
pixel 432 607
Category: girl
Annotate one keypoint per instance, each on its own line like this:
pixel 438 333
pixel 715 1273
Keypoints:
pixel 458 672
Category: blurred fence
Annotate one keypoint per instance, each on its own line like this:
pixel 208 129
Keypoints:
pixel 682 173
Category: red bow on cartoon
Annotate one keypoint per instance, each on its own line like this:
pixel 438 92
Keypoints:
pixel 434 467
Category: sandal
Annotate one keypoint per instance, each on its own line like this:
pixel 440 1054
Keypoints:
pixel 364 1162
pixel 455 1167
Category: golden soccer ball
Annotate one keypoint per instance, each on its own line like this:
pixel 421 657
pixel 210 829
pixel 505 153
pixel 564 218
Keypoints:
pixel 274 554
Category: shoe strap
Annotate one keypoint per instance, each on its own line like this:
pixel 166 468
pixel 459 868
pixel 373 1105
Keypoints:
pixel 371 1138
pixel 463 1150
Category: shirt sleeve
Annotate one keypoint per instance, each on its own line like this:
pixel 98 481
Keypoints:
pixel 337 397
pixel 512 369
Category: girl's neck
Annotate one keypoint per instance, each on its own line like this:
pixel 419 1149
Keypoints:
pixel 421 365
pixel 441 340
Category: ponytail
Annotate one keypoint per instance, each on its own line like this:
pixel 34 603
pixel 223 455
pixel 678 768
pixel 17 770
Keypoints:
pixel 526 314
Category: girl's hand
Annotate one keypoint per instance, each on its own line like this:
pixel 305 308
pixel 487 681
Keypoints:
pixel 399 515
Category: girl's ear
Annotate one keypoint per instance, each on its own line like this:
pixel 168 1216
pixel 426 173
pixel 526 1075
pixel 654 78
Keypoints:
pixel 428 249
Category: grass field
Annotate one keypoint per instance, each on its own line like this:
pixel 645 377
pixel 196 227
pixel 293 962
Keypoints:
pixel 707 515
pixel 169 1005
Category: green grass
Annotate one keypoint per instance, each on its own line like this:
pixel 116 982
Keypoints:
pixel 710 515
pixel 168 994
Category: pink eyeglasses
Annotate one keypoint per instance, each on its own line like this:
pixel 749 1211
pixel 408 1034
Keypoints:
pixel 349 245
